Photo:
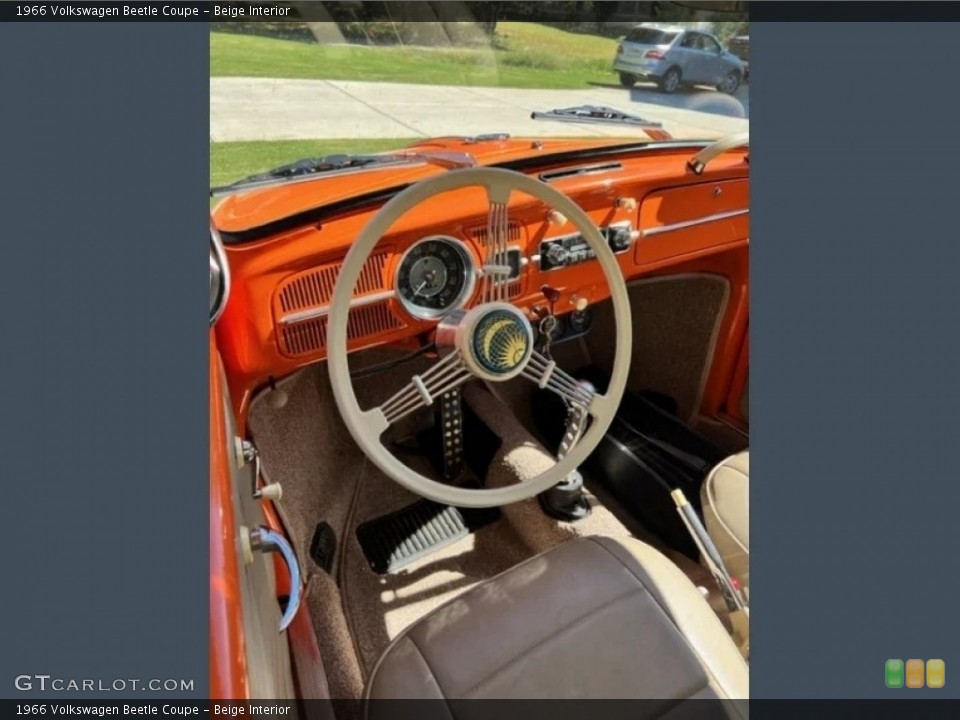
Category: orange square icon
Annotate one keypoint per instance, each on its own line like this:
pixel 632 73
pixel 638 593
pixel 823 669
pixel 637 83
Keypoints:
pixel 935 673
pixel 914 673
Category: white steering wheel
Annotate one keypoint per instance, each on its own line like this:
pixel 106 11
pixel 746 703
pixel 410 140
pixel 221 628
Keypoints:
pixel 492 341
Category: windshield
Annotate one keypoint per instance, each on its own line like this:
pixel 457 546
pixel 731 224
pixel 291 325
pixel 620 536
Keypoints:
pixel 354 80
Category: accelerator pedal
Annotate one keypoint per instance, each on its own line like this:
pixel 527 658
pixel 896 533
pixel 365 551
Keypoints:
pixel 393 541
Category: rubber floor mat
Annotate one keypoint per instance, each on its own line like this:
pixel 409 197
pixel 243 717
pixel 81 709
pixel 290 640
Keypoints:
pixel 394 541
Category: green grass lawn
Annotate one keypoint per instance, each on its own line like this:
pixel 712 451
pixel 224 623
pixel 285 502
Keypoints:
pixel 526 55
pixel 230 161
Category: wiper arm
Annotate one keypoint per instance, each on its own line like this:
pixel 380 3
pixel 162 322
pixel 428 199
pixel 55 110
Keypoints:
pixel 312 168
pixel 603 115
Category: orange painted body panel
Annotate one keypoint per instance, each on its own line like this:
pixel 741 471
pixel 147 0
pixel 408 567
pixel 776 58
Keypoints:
pixel 228 668
pixel 256 345
pixel 667 207
pixel 252 209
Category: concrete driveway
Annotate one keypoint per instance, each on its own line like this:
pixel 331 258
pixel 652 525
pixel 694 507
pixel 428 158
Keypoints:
pixel 283 109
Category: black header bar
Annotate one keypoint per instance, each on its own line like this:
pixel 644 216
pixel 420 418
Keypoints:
pixel 259 11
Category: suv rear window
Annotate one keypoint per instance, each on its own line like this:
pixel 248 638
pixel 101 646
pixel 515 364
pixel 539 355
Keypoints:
pixel 650 36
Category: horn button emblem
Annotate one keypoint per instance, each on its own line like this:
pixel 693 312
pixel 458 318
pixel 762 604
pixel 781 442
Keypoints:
pixel 501 343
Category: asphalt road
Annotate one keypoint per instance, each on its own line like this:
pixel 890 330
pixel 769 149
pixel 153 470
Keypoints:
pixel 284 109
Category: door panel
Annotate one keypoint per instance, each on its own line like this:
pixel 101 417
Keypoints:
pixel 686 58
pixel 249 657
pixel 713 65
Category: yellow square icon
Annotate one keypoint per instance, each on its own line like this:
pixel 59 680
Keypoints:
pixel 914 673
pixel 936 672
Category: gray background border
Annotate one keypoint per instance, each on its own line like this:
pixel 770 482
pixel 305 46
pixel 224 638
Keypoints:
pixel 103 421
pixel 855 322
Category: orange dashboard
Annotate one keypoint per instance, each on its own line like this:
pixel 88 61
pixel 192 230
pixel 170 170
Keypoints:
pixel 654 210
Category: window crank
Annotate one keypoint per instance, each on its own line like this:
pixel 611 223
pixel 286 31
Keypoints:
pixel 263 540
pixel 246 453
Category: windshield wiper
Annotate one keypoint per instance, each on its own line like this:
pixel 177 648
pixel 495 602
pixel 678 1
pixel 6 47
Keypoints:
pixel 341 164
pixel 603 115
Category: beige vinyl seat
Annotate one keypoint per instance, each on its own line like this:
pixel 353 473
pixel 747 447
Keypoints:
pixel 726 510
pixel 595 617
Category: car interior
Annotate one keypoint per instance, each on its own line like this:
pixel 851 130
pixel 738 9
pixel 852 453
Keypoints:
pixel 488 409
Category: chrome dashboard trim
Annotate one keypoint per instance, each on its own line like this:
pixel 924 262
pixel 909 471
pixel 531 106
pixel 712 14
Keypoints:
pixel 578 170
pixel 693 223
pixel 219 274
pixel 316 312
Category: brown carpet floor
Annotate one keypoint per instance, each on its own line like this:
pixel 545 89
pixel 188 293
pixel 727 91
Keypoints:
pixel 326 478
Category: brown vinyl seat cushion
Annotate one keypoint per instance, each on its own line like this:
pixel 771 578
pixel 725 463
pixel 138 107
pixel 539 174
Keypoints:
pixel 595 617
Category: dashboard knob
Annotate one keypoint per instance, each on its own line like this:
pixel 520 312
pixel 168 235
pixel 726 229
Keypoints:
pixel 580 303
pixel 551 294
pixel 619 238
pixel 627 203
pixel 556 218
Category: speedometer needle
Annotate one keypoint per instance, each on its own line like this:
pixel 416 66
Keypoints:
pixel 419 288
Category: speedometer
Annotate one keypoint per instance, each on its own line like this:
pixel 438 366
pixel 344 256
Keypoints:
pixel 435 276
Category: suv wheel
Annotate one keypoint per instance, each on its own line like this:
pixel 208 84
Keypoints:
pixel 670 81
pixel 627 80
pixel 730 83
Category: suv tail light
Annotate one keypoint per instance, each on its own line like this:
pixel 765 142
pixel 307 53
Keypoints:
pixel 654 54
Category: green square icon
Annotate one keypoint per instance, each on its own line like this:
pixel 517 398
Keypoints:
pixel 894 673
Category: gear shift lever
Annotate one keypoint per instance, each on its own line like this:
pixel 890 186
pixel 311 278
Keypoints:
pixel 566 500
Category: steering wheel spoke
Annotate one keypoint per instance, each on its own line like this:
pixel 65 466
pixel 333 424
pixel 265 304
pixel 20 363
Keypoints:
pixel 549 376
pixel 422 390
pixel 498 193
pixel 496 265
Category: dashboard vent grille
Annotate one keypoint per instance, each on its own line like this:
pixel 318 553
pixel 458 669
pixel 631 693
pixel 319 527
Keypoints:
pixel 371 319
pixel 310 336
pixel 315 287
pixel 303 338
pixel 513 234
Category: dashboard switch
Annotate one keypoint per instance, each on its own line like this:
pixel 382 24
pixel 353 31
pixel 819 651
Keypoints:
pixel 556 218
pixel 627 203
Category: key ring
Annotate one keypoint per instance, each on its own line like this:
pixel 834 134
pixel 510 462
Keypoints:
pixel 547 326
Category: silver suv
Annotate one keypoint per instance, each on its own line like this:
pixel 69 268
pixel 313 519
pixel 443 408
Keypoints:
pixel 675 56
